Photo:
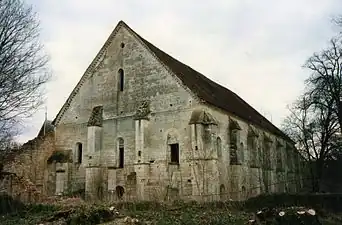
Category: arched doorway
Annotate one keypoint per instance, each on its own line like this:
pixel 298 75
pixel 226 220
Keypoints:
pixel 119 192
pixel 222 192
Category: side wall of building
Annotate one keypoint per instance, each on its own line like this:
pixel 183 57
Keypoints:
pixel 255 170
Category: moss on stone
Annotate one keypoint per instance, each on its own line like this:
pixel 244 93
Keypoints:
pixel 59 157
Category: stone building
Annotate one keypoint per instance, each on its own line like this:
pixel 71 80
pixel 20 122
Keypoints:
pixel 140 125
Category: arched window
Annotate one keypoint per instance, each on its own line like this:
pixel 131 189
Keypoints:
pixel 79 151
pixel 219 147
pixel 121 79
pixel 121 152
pixel 243 193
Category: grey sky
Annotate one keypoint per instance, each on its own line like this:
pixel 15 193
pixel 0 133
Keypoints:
pixel 255 48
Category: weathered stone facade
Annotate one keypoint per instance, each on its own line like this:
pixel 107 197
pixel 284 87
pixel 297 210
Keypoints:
pixel 132 129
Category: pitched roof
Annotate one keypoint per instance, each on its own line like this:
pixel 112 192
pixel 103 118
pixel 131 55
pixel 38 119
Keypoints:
pixel 206 89
pixel 212 92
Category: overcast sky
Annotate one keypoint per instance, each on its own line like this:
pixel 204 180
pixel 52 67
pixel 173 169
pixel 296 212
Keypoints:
pixel 255 48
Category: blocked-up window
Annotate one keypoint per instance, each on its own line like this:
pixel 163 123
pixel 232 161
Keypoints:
pixel 253 151
pixel 60 181
pixel 267 155
pixel 279 157
pixel 174 148
pixel 289 159
pixel 111 179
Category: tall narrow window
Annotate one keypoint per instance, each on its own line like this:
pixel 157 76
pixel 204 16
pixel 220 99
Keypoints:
pixel 279 156
pixel 121 153
pixel 267 154
pixel 254 151
pixel 218 147
pixel 79 151
pixel 174 153
pixel 233 147
pixel 121 79
pixel 222 192
pixel 289 159
pixel 234 133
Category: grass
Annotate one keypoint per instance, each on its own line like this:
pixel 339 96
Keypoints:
pixel 217 213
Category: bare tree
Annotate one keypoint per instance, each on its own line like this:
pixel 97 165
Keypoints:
pixel 325 81
pixel 23 70
pixel 315 130
pixel 337 20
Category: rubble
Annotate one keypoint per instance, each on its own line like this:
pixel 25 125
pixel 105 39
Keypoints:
pixel 284 216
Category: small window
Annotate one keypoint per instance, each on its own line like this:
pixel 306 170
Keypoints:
pixel 174 153
pixel 121 79
pixel 79 152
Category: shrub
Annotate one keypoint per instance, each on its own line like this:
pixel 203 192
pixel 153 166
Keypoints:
pixel 10 205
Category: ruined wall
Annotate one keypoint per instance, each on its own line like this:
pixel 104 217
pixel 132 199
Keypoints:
pixel 30 166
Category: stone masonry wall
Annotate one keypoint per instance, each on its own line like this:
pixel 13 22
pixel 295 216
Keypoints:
pixel 145 79
pixel 243 181
pixel 30 165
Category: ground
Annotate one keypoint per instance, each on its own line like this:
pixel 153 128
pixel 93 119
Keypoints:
pixel 72 211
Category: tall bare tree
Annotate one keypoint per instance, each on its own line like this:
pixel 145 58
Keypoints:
pixel 315 130
pixel 337 20
pixel 325 81
pixel 23 65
